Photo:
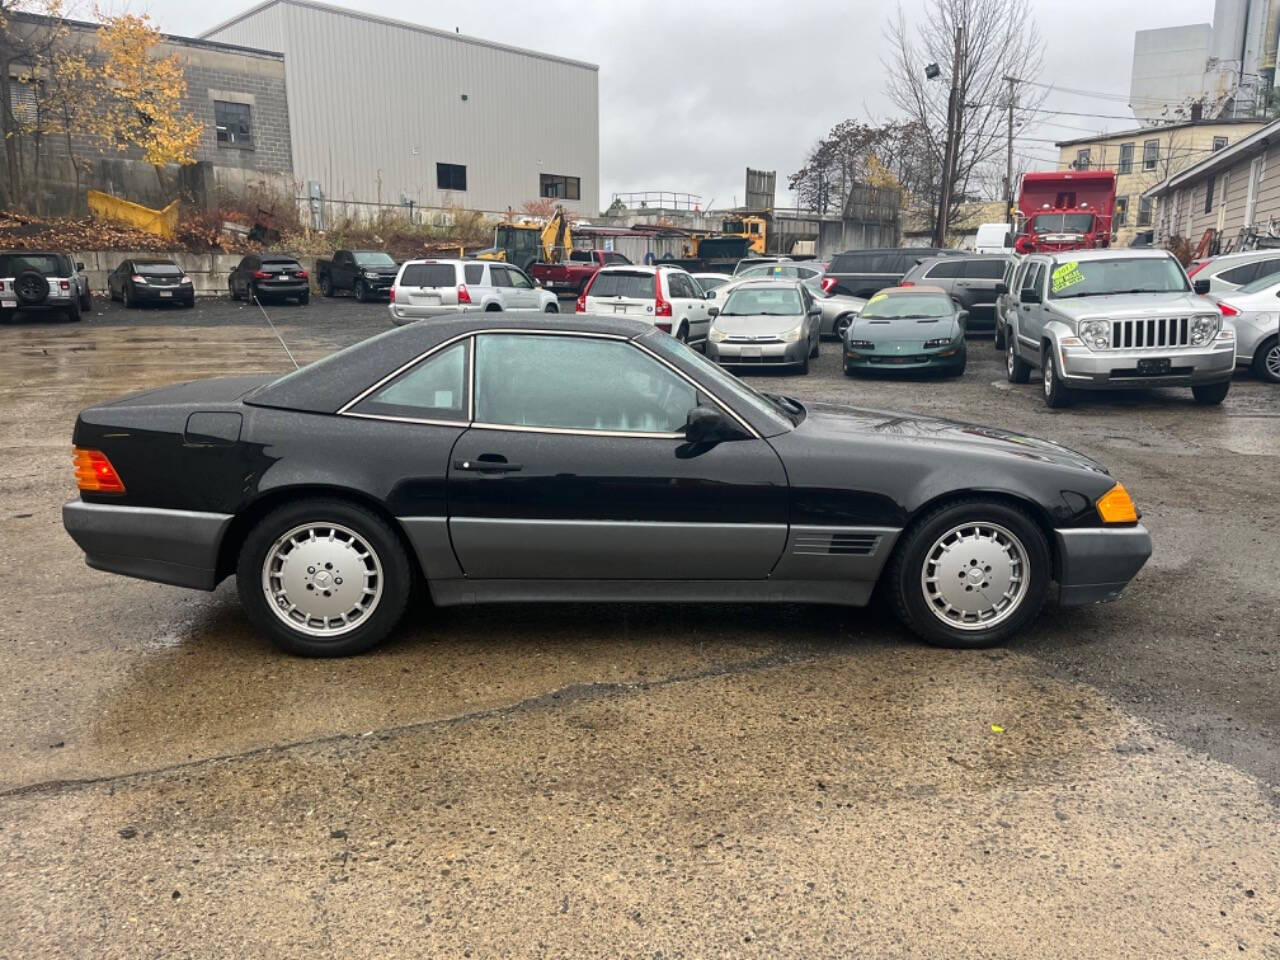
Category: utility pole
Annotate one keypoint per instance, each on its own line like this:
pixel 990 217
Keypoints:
pixel 955 103
pixel 1008 167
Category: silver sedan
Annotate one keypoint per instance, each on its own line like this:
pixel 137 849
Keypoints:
pixel 838 310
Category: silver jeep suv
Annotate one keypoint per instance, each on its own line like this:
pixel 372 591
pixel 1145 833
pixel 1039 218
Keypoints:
pixel 1116 319
pixel 39 281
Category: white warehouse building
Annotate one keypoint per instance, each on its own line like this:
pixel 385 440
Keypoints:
pixel 383 111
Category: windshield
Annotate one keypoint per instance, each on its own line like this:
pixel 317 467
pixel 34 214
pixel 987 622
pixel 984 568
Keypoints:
pixel 158 268
pixel 767 301
pixel 708 282
pixel 1095 278
pixel 49 264
pixel 374 258
pixel 1062 223
pixel 729 387
pixel 906 306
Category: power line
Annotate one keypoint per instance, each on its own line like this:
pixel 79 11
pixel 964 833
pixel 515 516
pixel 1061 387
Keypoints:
pixel 1097 94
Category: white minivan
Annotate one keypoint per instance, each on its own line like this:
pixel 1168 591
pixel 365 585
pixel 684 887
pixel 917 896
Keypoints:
pixel 668 297
pixel 433 288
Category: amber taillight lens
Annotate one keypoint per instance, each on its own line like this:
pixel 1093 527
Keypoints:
pixel 94 472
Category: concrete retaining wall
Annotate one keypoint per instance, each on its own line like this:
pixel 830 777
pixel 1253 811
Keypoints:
pixel 208 271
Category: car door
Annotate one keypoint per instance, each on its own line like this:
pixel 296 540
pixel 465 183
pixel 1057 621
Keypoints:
pixel 1030 315
pixel 343 269
pixel 521 290
pixel 576 468
pixel 240 281
pixel 500 287
pixel 686 304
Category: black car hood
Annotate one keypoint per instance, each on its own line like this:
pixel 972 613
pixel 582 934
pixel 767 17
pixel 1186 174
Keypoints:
pixel 217 390
pixel 836 423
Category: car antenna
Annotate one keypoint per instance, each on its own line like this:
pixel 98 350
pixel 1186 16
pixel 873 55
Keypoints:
pixel 275 331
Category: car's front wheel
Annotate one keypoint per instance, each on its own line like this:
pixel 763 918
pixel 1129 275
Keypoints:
pixel 361 291
pixel 1056 393
pixel 1016 369
pixel 1211 394
pixel 842 326
pixel 324 578
pixel 970 574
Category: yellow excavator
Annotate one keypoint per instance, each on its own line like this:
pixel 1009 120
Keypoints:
pixel 527 242
pixel 751 226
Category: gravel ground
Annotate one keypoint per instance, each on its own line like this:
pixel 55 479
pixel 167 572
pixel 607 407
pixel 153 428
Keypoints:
pixel 641 780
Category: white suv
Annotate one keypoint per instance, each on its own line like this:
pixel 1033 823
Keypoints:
pixel 433 288
pixel 667 297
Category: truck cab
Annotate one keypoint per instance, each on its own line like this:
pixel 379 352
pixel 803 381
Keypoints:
pixel 1065 211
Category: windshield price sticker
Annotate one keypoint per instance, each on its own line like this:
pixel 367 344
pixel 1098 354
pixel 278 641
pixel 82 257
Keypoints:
pixel 1067 275
pixel 878 296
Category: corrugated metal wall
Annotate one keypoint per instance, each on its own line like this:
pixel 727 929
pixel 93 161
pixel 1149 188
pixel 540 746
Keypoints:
pixel 374 106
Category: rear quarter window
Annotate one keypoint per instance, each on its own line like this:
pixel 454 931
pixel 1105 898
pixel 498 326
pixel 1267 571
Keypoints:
pixel 870 262
pixel 985 269
pixel 428 275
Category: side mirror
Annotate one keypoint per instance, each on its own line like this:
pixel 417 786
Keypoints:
pixel 1031 296
pixel 710 294
pixel 815 311
pixel 708 425
pixel 713 312
pixel 1001 289
pixel 79 265
pixel 963 317
pixel 1201 286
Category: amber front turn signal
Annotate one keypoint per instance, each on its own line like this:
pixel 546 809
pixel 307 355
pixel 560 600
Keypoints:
pixel 94 472
pixel 1116 506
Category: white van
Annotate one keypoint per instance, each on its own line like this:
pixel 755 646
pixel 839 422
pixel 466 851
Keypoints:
pixel 994 238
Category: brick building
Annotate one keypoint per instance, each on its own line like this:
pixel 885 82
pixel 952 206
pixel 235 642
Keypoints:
pixel 237 93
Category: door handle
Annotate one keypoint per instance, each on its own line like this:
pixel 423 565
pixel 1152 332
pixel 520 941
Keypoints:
pixel 486 466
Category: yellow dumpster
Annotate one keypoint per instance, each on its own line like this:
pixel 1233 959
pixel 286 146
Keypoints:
pixel 163 223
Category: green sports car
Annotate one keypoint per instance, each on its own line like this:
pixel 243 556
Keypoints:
pixel 907 328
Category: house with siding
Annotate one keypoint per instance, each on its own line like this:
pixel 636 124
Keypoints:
pixel 1147 156
pixel 1228 201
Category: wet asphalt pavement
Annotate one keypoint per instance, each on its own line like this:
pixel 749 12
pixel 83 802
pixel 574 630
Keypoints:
pixel 641 780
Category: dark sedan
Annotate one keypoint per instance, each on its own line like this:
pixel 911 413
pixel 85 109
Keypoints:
pixel 150 281
pixel 587 458
pixel 270 276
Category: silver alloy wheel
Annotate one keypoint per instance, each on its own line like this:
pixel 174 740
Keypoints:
pixel 975 576
pixel 322 579
pixel 1272 360
pixel 842 327
pixel 1009 354
pixel 1048 374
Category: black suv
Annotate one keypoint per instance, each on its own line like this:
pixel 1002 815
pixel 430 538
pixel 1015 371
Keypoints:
pixel 861 273
pixel 38 280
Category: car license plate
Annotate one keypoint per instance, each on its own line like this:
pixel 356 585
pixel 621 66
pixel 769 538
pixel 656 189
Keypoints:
pixel 8 303
pixel 1153 367
pixel 619 308
pixel 752 353
pixel 166 293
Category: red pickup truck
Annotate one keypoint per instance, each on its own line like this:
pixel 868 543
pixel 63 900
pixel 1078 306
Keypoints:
pixel 572 276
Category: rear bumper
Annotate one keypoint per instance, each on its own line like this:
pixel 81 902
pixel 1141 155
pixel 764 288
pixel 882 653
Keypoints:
pixel 163 294
pixel 730 354
pixel 281 289
pixel 50 303
pixel 178 547
pixel 401 314
pixel 1085 369
pixel 1097 563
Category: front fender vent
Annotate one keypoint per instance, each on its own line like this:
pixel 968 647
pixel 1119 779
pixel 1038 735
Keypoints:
pixel 844 544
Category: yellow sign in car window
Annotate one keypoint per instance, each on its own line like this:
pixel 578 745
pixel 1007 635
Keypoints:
pixel 878 296
pixel 1067 275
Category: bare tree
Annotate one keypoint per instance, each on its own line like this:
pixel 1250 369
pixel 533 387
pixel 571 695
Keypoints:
pixel 1000 40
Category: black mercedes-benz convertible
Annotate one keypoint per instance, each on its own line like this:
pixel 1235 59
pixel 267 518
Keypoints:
pixel 584 458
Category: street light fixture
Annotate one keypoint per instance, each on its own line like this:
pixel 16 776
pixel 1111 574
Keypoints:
pixel 932 72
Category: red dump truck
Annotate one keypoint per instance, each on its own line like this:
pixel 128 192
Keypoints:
pixel 1065 211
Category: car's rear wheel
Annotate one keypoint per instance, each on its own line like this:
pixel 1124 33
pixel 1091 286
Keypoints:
pixel 970 574
pixel 361 291
pixel 231 287
pixel 1211 394
pixel 1016 369
pixel 324 578
pixel 552 308
pixel 73 312
pixel 326 287
pixel 86 302
pixel 842 326
pixel 1266 362
pixel 304 299
pixel 1056 393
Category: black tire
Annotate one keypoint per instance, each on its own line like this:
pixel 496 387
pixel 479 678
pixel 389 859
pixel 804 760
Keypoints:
pixel 111 293
pixel 398 576
pixel 850 371
pixel 326 287
pixel 1056 393
pixel 361 291
pixel 958 371
pixel 1015 368
pixel 682 333
pixel 31 288
pixel 841 326
pixel 1266 361
pixel 127 297
pixel 905 573
pixel 73 312
pixel 803 367
pixel 189 304
pixel 86 303
pixel 552 308
pixel 232 287
pixel 1211 394
pixel 304 299
pixel 817 345
pixel 999 336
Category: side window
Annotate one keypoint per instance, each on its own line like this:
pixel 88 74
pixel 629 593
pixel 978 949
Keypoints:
pixel 435 389
pixel 1031 279
pixel 474 272
pixel 1266 268
pixel 577 383
pixel 518 279
pixel 498 277
pixel 984 269
pixel 1241 274
pixel 948 269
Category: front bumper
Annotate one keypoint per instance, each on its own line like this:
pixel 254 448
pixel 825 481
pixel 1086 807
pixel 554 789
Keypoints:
pixel 1097 563
pixel 731 353
pixel 178 547
pixel 1085 369
pixel 944 359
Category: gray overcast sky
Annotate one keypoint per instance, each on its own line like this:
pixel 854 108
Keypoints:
pixel 690 95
